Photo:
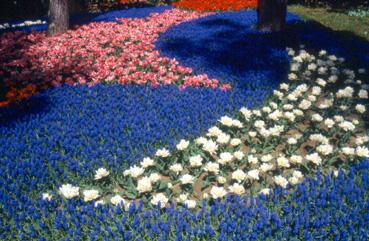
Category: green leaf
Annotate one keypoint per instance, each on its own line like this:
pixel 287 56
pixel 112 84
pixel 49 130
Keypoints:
pixel 162 186
pixel 331 161
pixel 130 195
pixel 205 184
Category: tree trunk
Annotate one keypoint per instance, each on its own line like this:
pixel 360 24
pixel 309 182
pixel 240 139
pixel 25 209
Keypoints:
pixel 58 16
pixel 272 15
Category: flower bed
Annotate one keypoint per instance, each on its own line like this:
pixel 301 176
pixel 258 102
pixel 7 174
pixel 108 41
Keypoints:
pixel 221 45
pixel 308 125
pixel 99 52
pixel 71 131
pixel 320 209
pixel 96 139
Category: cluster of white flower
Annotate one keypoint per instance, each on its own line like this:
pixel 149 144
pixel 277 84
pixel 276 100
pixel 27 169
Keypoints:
pixel 306 126
pixel 22 24
pixel 101 173
pixel 134 172
pixel 69 191
pixel 163 152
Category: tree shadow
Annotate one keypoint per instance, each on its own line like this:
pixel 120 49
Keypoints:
pixel 129 11
pixel 21 54
pixel 220 22
pixel 316 36
pixel 35 105
pixel 226 46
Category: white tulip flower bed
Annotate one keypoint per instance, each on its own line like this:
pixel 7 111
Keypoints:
pixel 314 122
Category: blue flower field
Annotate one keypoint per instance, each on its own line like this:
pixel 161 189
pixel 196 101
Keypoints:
pixel 64 134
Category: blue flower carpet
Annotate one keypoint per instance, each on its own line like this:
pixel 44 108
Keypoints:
pixel 64 134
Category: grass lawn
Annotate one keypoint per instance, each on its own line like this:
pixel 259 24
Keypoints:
pixel 334 19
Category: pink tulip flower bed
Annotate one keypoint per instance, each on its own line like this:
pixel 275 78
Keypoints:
pixel 105 52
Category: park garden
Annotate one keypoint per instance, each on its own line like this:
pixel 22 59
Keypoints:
pixel 185 120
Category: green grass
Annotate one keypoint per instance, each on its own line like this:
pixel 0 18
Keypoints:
pixel 336 20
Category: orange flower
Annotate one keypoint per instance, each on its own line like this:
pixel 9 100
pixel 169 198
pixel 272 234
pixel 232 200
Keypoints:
pixel 11 94
pixel 16 95
pixel 4 103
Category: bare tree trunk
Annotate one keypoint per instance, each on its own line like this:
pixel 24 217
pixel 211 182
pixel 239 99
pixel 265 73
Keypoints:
pixel 58 16
pixel 272 15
